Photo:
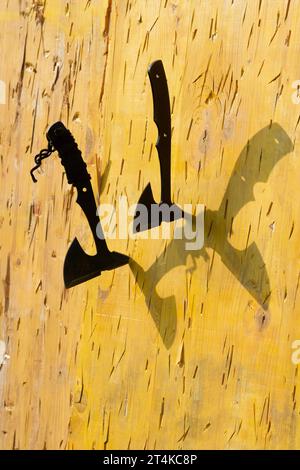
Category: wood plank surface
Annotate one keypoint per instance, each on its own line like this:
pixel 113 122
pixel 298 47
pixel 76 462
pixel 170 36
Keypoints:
pixel 181 349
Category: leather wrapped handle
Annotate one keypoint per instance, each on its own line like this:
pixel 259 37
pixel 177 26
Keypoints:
pixel 61 139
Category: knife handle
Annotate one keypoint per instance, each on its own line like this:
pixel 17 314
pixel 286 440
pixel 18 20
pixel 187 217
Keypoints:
pixel 161 99
pixel 162 119
pixel 62 140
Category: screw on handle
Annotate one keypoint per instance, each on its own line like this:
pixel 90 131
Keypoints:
pixel 61 139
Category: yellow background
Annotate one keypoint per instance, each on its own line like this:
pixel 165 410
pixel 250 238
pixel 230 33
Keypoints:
pixel 178 350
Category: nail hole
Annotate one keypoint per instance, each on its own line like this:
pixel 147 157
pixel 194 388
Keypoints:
pixel 165 135
pixel 157 76
pixel 84 190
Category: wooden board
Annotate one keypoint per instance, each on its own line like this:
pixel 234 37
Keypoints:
pixel 180 349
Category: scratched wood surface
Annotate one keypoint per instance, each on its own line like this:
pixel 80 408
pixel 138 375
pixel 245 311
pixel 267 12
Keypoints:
pixel 180 349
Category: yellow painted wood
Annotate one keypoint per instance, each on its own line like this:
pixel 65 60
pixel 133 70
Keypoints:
pixel 175 351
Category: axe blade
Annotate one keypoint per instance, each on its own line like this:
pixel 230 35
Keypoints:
pixel 141 220
pixel 150 214
pixel 80 267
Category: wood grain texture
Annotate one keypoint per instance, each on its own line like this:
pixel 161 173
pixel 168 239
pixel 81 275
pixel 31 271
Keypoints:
pixel 173 351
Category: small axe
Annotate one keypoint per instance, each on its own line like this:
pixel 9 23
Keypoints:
pixel 79 266
pixel 162 119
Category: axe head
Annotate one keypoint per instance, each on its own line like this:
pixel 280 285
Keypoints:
pixel 150 214
pixel 142 216
pixel 80 267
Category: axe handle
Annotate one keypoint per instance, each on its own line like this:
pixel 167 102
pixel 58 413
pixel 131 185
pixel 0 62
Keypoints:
pixel 162 118
pixel 86 200
pixel 63 141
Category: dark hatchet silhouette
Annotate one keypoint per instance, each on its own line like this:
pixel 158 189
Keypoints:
pixel 165 210
pixel 78 266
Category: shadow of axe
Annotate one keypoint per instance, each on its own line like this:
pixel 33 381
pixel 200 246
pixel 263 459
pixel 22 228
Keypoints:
pixel 254 165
